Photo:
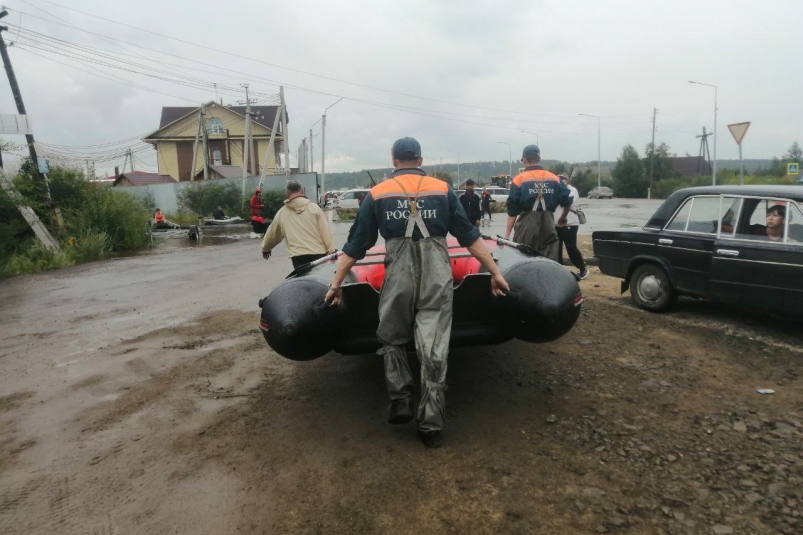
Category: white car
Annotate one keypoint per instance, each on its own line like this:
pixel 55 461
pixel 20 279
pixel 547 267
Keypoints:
pixel 350 199
pixel 498 194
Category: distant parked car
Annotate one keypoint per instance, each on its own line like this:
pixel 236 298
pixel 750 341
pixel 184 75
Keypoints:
pixel 741 245
pixel 350 199
pixel 498 194
pixel 601 193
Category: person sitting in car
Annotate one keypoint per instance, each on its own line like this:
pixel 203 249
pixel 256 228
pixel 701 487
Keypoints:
pixel 776 221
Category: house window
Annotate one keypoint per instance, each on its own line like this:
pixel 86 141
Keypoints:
pixel 214 126
pixel 217 157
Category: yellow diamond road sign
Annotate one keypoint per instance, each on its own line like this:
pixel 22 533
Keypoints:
pixel 793 168
pixel 739 130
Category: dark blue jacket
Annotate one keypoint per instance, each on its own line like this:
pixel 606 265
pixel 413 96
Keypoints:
pixel 386 210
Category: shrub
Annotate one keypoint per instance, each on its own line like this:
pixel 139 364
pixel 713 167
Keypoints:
pixel 33 259
pixel 120 215
pixel 203 197
pixel 89 245
pixel 98 221
pixel 273 201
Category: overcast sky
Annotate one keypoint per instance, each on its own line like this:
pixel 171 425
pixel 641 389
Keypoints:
pixel 459 76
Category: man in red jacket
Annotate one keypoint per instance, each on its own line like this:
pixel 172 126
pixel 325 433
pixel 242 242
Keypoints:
pixel 256 203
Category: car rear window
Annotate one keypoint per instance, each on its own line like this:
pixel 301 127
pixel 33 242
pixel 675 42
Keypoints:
pixel 704 216
pixel 699 215
pixel 681 218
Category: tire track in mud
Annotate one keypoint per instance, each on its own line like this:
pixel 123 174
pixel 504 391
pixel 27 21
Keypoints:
pixel 115 478
pixel 158 384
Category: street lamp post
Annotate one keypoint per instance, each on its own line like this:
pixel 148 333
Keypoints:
pixel 533 133
pixel 323 146
pixel 458 165
pixel 509 158
pixel 599 148
pixel 714 167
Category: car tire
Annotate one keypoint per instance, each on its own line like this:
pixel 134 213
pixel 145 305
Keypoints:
pixel 651 289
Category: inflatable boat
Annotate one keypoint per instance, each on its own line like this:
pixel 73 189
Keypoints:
pixel 543 303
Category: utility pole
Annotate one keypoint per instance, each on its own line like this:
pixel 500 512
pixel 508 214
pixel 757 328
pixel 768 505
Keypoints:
pixel 205 138
pixel 323 146
pixel 271 149
pixel 652 152
pixel 15 90
pixel 247 136
pixel 714 168
pixel 285 135
pixel 323 153
pixel 705 153
pixel 195 145
pixel 509 159
pixel 458 165
pixel 311 154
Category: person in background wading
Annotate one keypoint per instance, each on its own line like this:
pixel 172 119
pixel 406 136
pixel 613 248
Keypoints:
pixel 534 196
pixel 256 203
pixel 568 234
pixel 485 201
pixel 413 212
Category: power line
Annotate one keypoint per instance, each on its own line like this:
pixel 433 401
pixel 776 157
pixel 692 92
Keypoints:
pixel 300 71
pixel 396 107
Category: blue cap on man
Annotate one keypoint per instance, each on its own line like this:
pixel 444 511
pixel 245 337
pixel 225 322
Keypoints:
pixel 530 152
pixel 406 148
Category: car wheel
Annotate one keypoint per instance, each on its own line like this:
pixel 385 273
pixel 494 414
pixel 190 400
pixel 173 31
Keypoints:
pixel 650 288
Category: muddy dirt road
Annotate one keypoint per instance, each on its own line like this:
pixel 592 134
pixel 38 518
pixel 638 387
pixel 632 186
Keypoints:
pixel 137 396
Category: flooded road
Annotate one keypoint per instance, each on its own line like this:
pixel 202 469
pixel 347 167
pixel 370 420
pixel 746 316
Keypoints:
pixel 602 214
pixel 137 396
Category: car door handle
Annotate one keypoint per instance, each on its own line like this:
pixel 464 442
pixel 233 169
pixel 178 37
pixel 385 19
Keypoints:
pixel 727 252
pixel 664 241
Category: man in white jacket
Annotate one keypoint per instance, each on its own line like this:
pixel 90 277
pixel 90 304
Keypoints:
pixel 303 224
pixel 567 235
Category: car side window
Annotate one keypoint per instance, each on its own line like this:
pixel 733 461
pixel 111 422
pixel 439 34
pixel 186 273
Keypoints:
pixel 731 208
pixel 758 226
pixel 681 218
pixel 795 230
pixel 349 195
pixel 704 216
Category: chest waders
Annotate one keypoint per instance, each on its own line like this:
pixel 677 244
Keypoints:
pixel 416 304
pixel 536 228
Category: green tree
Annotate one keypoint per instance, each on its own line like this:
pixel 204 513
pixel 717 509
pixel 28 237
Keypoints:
pixel 584 181
pixel 794 154
pixel 662 162
pixel 443 175
pixel 558 169
pixel 203 197
pixel 628 175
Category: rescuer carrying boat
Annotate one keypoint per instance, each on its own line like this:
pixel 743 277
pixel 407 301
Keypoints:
pixel 413 212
